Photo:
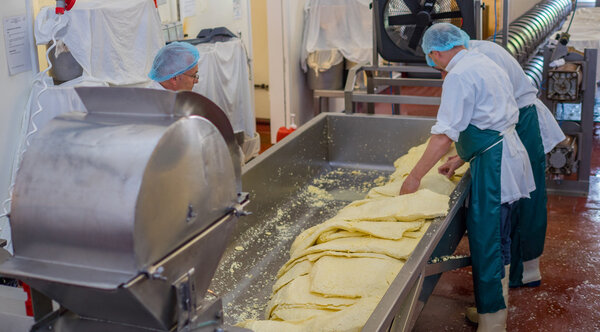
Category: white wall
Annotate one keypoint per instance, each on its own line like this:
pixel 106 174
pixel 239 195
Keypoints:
pixel 277 65
pixel 260 55
pixel 287 84
pixel 14 94
pixel 301 95
pixel 519 7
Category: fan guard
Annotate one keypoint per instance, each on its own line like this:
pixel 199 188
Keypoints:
pixel 400 24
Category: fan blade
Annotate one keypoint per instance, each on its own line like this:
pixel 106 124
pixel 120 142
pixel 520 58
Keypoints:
pixel 408 19
pixel 439 16
pixel 413 5
pixel 416 36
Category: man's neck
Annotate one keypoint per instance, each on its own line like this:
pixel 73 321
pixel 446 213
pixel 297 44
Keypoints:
pixel 449 54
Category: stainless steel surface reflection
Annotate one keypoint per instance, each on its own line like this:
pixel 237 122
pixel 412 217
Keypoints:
pixel 112 206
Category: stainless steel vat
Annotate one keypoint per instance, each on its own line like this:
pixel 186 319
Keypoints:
pixel 113 208
pixel 343 154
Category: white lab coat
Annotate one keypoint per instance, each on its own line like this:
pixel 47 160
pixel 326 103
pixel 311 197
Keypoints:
pixel 155 85
pixel 524 92
pixel 477 91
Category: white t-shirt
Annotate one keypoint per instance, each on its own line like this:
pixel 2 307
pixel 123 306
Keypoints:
pixel 477 91
pixel 155 85
pixel 524 91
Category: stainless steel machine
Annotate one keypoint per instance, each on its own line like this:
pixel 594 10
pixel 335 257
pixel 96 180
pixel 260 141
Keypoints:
pixel 573 82
pixel 399 24
pixel 122 214
pixel 342 155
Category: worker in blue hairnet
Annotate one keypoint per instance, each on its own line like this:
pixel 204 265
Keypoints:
pixel 479 113
pixel 175 67
pixel 540 133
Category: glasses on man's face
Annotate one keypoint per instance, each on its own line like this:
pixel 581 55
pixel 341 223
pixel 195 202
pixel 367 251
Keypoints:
pixel 195 76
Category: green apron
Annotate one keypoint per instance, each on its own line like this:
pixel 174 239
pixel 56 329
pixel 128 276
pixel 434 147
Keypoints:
pixel 529 223
pixel 483 216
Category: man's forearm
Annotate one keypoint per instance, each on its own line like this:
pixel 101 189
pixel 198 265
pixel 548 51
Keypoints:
pixel 438 146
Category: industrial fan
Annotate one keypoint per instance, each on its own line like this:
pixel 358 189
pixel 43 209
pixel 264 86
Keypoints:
pixel 400 24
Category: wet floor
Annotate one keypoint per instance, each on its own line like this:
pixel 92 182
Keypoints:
pixel 569 296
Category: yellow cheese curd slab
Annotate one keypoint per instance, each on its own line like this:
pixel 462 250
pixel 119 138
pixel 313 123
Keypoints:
pixel 435 182
pixel 298 314
pixel 271 326
pixel 405 163
pixel 417 152
pixel 418 234
pixel 302 267
pixel 337 234
pixel 423 204
pixel 297 293
pixel 353 277
pixel 408 161
pixel 386 230
pixel 349 319
pixel 330 236
pixel 314 257
pixel 398 249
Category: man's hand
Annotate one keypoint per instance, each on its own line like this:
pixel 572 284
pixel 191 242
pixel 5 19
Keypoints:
pixel 438 146
pixel 448 168
pixel 410 185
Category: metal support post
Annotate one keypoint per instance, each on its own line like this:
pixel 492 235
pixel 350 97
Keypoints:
pixel 505 12
pixel 42 305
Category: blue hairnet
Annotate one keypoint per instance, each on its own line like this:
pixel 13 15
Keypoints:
pixel 172 60
pixel 442 37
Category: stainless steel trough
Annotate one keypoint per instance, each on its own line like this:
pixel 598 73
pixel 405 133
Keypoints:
pixel 343 155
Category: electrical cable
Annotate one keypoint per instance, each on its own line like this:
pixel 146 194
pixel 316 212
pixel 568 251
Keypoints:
pixel 495 21
pixel 27 118
pixel 572 15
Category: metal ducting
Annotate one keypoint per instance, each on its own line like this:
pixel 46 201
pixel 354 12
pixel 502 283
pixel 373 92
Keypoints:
pixel 530 30
pixel 534 69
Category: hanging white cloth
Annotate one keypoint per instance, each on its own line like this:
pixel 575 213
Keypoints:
pixel 114 41
pixel 344 25
pixel 224 78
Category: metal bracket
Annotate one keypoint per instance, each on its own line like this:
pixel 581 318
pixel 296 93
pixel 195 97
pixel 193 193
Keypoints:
pixel 447 264
pixel 238 209
pixel 185 290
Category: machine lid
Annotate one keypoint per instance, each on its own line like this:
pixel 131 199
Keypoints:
pixel 192 103
pixel 53 272
pixel 120 187
pixel 121 100
pixel 144 101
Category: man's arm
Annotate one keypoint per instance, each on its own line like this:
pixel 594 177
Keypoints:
pixel 438 146
pixel 448 168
